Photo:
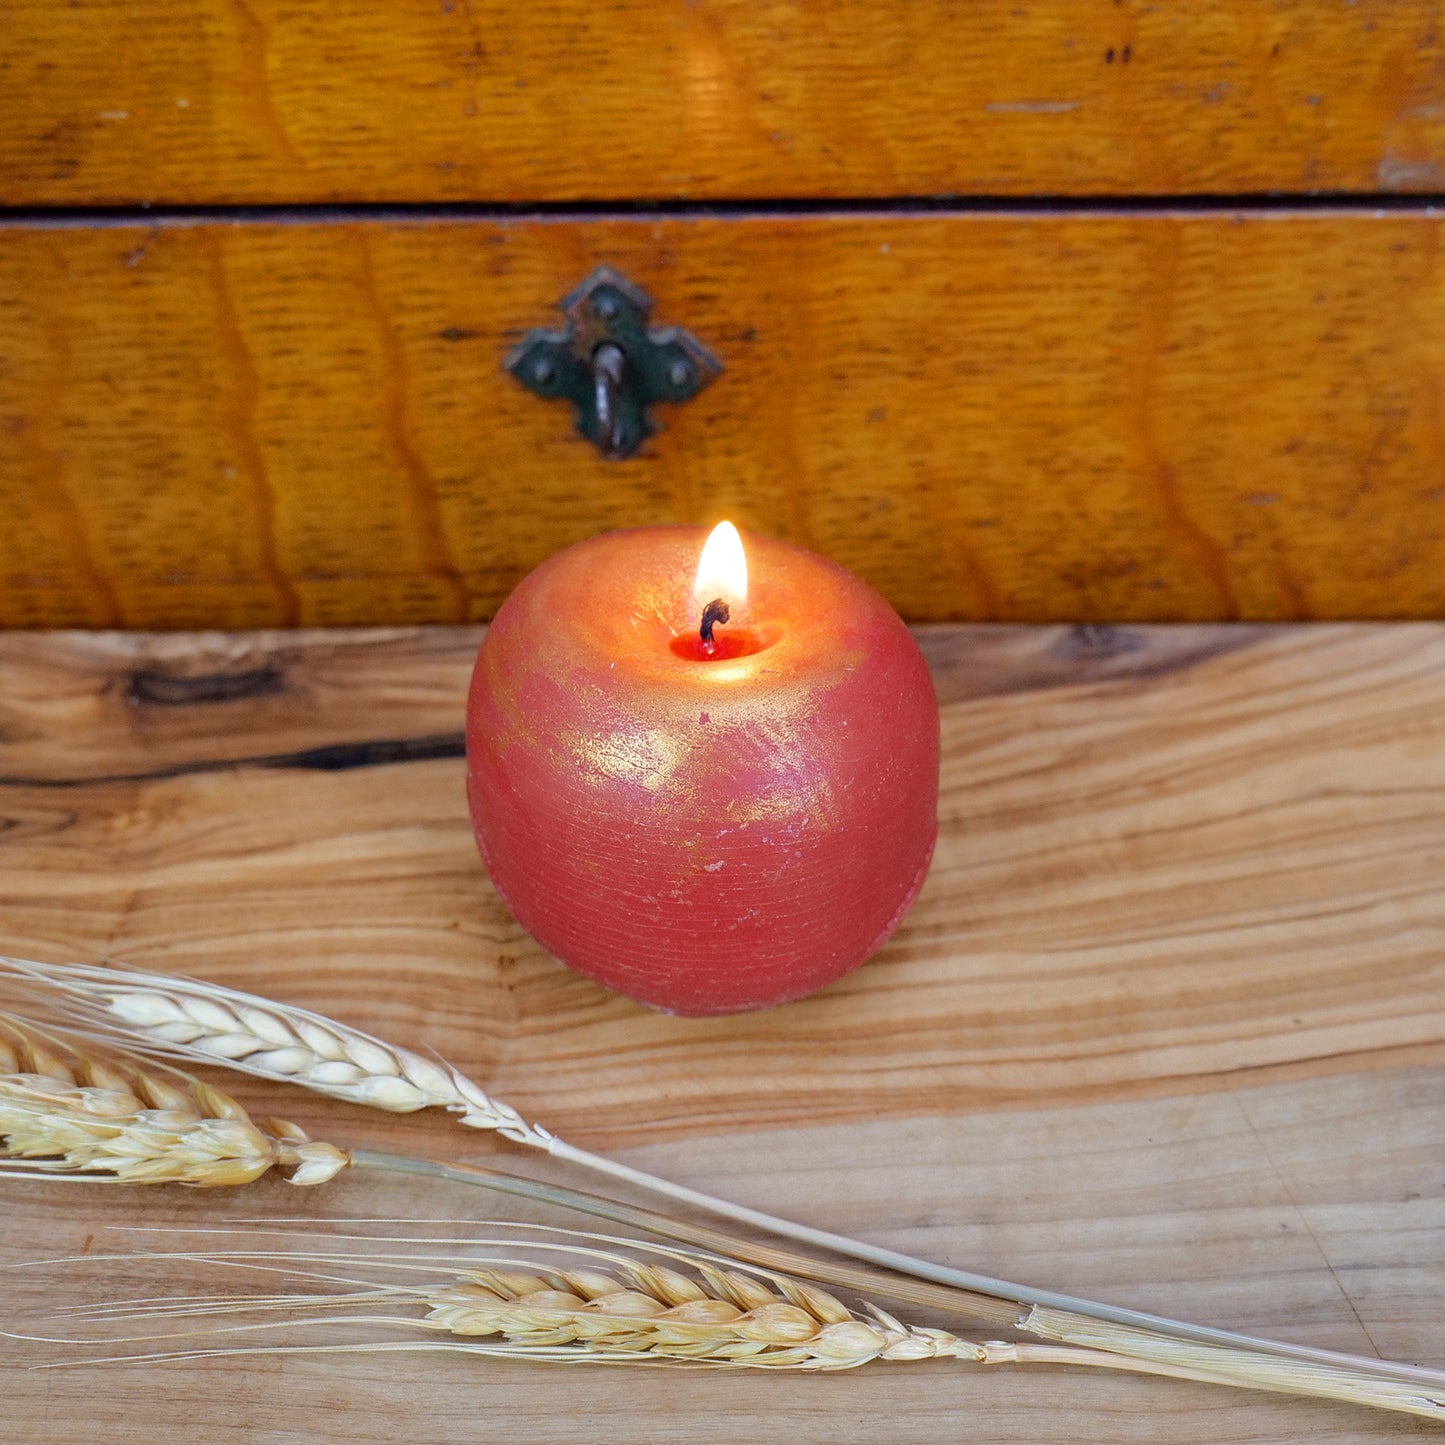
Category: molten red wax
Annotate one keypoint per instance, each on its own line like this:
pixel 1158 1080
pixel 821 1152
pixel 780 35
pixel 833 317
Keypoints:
pixel 704 833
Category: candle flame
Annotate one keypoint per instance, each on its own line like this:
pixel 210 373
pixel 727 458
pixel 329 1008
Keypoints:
pixel 723 569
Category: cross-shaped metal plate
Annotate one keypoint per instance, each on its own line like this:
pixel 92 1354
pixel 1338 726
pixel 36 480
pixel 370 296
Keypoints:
pixel 610 364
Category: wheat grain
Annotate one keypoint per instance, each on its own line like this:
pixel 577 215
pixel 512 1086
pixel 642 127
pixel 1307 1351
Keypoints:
pixel 67 1112
pixel 654 1312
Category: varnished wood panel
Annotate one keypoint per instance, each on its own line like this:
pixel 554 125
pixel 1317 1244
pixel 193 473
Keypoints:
pixel 105 101
pixel 1165 1026
pixel 1031 417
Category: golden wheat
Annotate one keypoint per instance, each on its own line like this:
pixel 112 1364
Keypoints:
pixel 610 1307
pixel 68 1112
pixel 725 1315
pixel 184 1018
pixel 604 1306
pixel 205 1023
pixel 658 1312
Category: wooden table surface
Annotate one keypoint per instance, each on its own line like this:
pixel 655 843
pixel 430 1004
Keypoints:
pixel 1166 1027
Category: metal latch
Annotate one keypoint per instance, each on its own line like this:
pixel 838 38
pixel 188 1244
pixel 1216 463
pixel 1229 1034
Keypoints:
pixel 610 365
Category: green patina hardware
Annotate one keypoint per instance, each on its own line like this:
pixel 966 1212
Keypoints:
pixel 610 364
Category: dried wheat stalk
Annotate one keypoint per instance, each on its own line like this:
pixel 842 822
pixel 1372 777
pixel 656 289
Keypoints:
pixel 197 1021
pixel 723 1314
pixel 618 1309
pixel 64 1112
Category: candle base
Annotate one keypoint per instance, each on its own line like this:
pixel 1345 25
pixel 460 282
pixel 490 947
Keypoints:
pixel 889 929
pixel 771 993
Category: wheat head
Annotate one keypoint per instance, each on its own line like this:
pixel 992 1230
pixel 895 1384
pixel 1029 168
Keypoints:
pixel 205 1023
pixel 68 1112
pixel 654 1312
pixel 603 1305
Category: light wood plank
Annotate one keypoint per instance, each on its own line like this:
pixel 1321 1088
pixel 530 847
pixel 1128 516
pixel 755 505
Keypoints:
pixel 1165 1026
pixel 1309 1210
pixel 424 100
pixel 1166 861
pixel 1090 417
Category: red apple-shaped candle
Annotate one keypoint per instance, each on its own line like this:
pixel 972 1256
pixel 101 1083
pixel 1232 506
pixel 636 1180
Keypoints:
pixel 709 784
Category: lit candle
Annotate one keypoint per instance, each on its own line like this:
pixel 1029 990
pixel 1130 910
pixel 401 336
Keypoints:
pixel 709 784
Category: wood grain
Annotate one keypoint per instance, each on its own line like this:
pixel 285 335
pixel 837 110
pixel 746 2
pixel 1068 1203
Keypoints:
pixel 1044 417
pixel 1165 1026
pixel 1310 1211
pixel 423 100
pixel 1167 862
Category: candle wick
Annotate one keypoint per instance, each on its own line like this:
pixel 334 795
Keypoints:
pixel 716 611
